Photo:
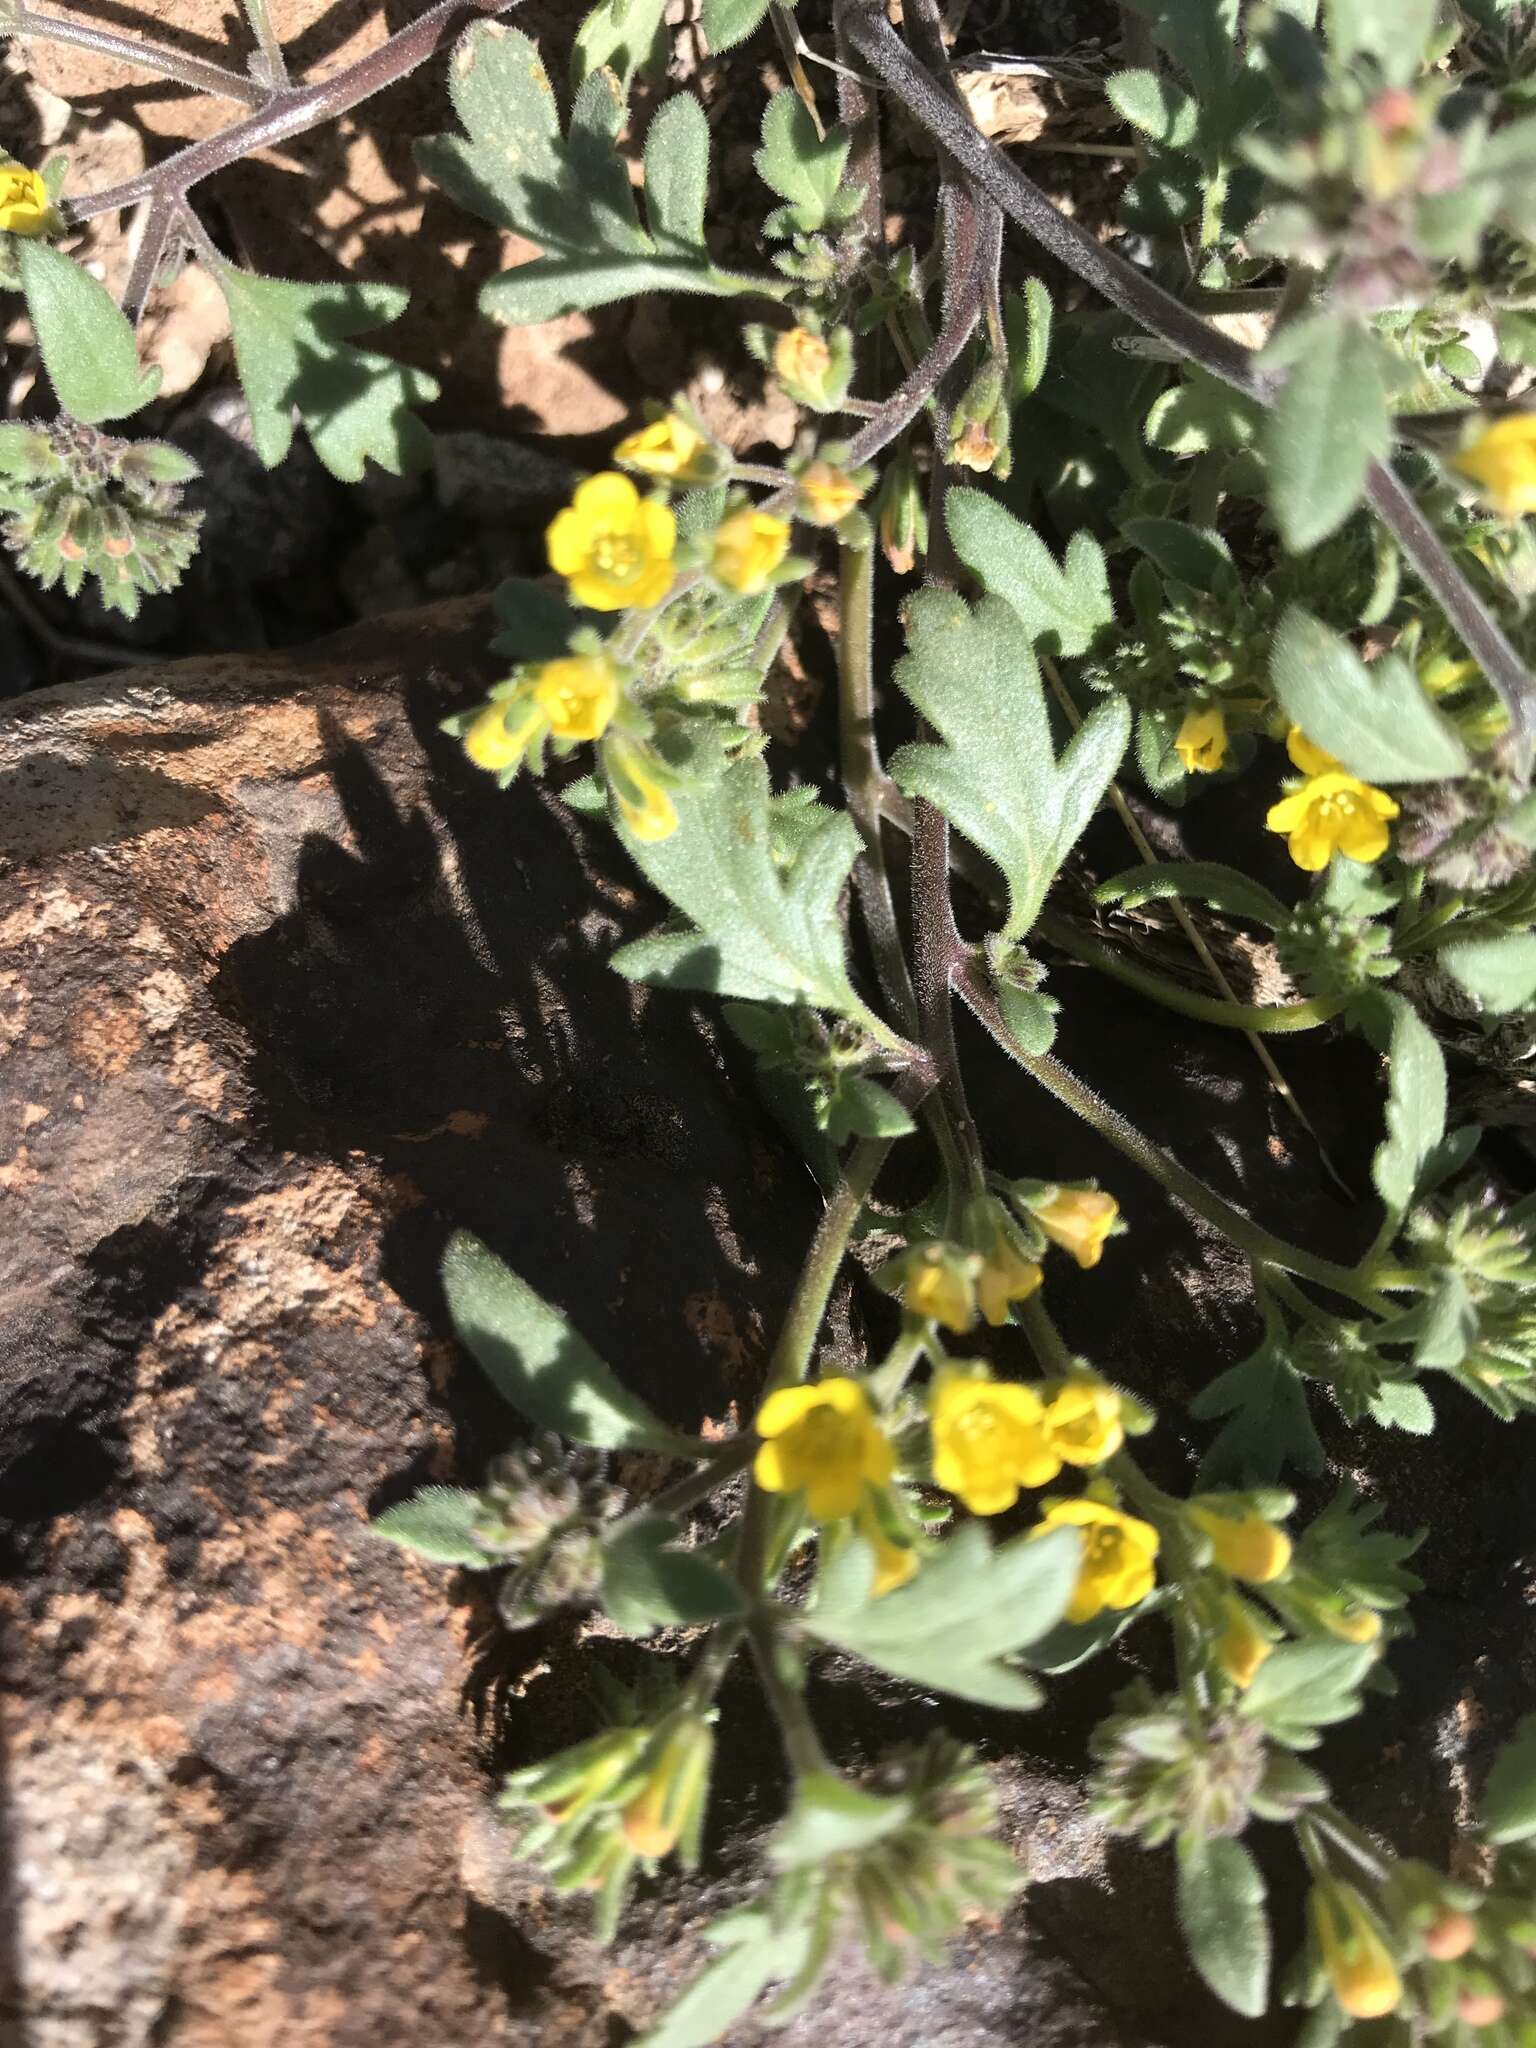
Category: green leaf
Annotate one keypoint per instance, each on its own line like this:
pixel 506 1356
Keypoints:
pixel 830 1817
pixel 535 622
pixel 1201 38
pixel 618 36
pixel 762 927
pixel 1206 881
pixel 1329 423
pixel 1270 1424
pixel 728 22
pixel 995 774
pixel 535 1360
pixel 1188 554
pixel 1028 318
pixel 1065 607
pixel 293 353
pixel 571 194
pixel 1152 102
pixel 1394 32
pixel 1302 1687
pixel 861 1108
pixel 1500 971
pixel 1509 1797
pixel 970 1606
pixel 1378 721
pixel 436 1523
pixel 1029 1015
pixel 1201 417
pixel 1226 1930
pixel 1401 1405
pixel 87 344
pixel 802 167
pixel 648 1581
pixel 759 1954
pixel 1416 1101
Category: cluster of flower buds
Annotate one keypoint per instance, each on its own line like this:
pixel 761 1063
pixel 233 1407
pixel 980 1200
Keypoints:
pixel 1334 952
pixel 1163 1772
pixel 541 1513
pixel 80 503
pixel 912 1883
pixel 630 1795
pixel 1476 834
pixel 1446 1961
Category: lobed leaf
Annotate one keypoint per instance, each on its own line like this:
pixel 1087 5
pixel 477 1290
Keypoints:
pixel 1066 607
pixel 994 771
pixel 1416 1102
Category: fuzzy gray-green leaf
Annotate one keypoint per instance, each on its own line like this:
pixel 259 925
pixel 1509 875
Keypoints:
pixel 87 345
pixel 1377 721
pixel 1063 606
pixel 1226 1930
pixel 1328 424
pixel 994 771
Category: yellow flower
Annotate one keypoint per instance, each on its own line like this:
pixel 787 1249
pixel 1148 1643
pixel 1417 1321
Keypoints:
pixel 613 546
pixel 1501 461
pixel 989 1440
pixel 495 741
pixel 1006 1276
pixel 826 495
pixel 1360 1969
pixel 1242 1646
pixel 936 1285
pixel 24 203
pixel 749 546
pixel 1079 1220
pixel 643 804
pixel 801 357
pixel 1307 755
pixel 895 1563
pixel 1202 741
pixel 668 447
pixel 1246 1546
pixel 824 1441
pixel 1119 1553
pixel 1084 1421
pixel 578 695
pixel 1333 813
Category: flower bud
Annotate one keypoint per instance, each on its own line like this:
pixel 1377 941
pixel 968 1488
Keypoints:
pixel 667 1807
pixel 749 546
pixel 938 1285
pixel 633 775
pixel 674 449
pixel 1244 1546
pixel 1359 1965
pixel 901 516
pixel 1242 1646
pixel 1480 2006
pixel 826 495
pixel 1079 1220
pixel 1201 742
pixel 1449 1936
pixel 814 370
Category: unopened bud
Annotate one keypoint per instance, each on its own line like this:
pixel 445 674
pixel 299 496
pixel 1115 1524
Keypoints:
pixel 1450 1935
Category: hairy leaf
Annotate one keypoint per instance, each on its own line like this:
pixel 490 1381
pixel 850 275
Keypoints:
pixel 1499 971
pixel 618 36
pixel 294 354
pixel 802 167
pixel 1152 102
pixel 969 1607
pixel 1269 1423
pixel 1302 1687
pixel 1064 608
pixel 535 1360
pixel 757 1953
pixel 1509 1798
pixel 436 1523
pixel 728 22
pixel 87 344
pixel 1207 881
pixel 1378 721
pixel 648 1580
pixel 1226 1930
pixel 1329 423
pixel 830 1817
pixel 994 773
pixel 570 194
pixel 760 925
pixel 1417 1099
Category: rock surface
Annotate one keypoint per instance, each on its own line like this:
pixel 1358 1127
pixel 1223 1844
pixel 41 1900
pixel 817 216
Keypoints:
pixel 286 993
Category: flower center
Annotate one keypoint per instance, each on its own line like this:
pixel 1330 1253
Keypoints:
pixel 616 555
pixel 826 1439
pixel 1101 1549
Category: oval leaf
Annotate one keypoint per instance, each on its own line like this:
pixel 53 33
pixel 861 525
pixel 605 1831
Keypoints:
pixel 87 345
pixel 1226 1930
pixel 1377 720
pixel 535 1360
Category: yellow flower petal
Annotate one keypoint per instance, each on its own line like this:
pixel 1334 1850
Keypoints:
pixel 1306 755
pixel 989 1440
pixel 1201 743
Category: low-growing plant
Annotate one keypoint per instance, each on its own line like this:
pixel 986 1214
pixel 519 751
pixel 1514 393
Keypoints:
pixel 1309 558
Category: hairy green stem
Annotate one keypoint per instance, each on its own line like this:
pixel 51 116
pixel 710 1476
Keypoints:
pixel 792 1354
pixel 1043 1337
pixel 802 1745
pixel 684 1494
pixel 900 1362
pixel 1304 1016
pixel 1185 1186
